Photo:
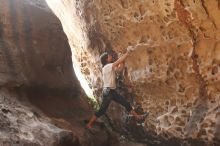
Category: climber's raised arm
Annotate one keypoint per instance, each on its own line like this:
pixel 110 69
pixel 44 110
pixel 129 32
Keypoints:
pixel 122 58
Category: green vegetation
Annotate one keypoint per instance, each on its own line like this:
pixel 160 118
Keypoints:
pixel 93 102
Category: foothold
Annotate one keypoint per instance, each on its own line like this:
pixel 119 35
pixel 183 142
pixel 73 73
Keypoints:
pixel 136 14
pixel 167 103
pixel 214 70
pixel 161 27
pixel 167 10
pixel 168 4
pixel 143 39
pixel 124 4
pixel 5 110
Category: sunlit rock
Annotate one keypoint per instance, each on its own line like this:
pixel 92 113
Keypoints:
pixel 174 70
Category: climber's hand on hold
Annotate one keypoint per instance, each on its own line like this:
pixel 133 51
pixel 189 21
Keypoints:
pixel 123 57
pixel 130 49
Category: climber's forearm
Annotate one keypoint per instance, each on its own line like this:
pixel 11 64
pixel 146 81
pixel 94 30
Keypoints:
pixel 121 60
pixel 120 67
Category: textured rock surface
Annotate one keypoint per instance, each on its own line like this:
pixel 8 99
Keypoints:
pixel 36 67
pixel 174 70
pixel 34 49
pixel 39 91
pixel 34 58
pixel 24 125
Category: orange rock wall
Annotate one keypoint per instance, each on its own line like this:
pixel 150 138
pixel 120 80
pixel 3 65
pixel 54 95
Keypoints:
pixel 175 68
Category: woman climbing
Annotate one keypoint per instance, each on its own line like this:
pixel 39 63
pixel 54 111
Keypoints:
pixel 109 88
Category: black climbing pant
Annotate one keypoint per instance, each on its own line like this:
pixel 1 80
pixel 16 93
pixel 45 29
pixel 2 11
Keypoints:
pixel 108 95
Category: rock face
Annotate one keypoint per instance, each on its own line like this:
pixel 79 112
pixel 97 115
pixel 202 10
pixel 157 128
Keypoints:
pixel 24 125
pixel 34 49
pixel 36 67
pixel 174 70
pixel 41 100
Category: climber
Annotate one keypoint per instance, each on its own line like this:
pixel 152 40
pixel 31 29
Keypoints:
pixel 109 90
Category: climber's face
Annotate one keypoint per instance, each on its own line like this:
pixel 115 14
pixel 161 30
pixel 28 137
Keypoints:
pixel 110 59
